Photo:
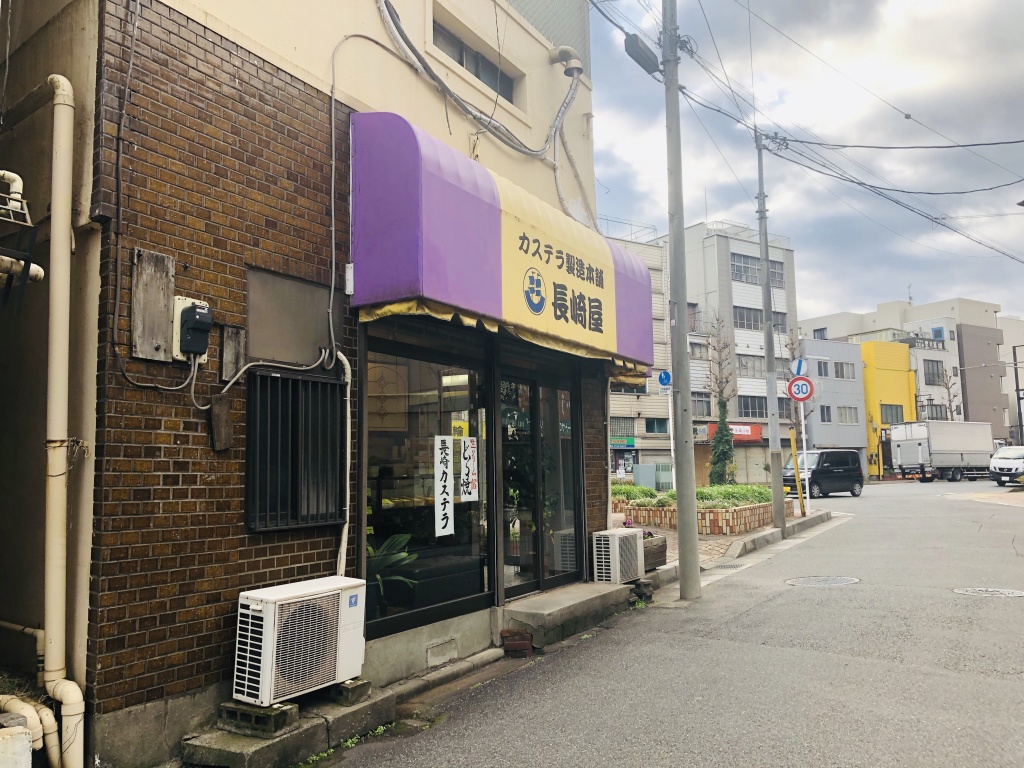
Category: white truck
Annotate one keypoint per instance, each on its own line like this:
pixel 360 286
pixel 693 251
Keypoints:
pixel 932 450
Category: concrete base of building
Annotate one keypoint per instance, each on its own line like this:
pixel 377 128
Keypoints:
pixel 114 737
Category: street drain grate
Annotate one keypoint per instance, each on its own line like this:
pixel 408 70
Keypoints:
pixel 822 581
pixel 988 592
pixel 728 567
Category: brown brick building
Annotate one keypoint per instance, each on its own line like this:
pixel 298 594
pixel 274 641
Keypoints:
pixel 203 169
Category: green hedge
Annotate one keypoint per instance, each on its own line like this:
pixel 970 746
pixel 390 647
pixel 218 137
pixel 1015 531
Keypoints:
pixel 633 492
pixel 734 495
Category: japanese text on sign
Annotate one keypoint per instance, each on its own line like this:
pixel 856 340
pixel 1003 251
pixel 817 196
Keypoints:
pixel 469 478
pixel 567 304
pixel 444 485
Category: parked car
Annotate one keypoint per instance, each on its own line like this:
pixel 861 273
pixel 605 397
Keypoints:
pixel 1007 465
pixel 825 472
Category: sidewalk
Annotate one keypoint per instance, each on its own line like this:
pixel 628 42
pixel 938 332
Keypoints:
pixel 711 547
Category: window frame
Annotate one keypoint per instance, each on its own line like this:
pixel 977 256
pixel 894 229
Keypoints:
pixel 618 423
pixel 473 62
pixel 697 402
pixel 840 368
pixel 759 411
pixel 753 318
pixel 307 396
pixel 657 421
pixel 823 371
pixel 750 366
pixel 893 409
pixel 777 274
pixel 744 269
pixel 820 333
pixel 934 372
pixel 825 414
pixel 847 411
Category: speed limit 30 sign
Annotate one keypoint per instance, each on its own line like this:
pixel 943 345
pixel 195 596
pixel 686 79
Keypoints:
pixel 800 389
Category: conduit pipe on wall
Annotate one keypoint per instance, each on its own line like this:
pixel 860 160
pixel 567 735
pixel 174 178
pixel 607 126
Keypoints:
pixel 39 635
pixel 57 366
pixel 19 707
pixel 343 551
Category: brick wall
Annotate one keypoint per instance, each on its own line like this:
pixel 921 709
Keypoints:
pixel 595 450
pixel 225 166
pixel 709 521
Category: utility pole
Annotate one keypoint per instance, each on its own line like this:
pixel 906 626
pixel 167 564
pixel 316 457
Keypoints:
pixel 774 442
pixel 682 437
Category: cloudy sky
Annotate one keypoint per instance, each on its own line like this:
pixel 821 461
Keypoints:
pixel 956 68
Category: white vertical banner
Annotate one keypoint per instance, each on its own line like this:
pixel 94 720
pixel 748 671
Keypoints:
pixel 469 476
pixel 444 485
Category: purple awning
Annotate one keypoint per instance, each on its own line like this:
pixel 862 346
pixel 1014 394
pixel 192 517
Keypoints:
pixel 430 224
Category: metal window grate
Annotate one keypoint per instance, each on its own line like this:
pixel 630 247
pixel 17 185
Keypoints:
pixel 295 446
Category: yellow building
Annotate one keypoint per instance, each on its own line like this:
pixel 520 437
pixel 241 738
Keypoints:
pixel 889 390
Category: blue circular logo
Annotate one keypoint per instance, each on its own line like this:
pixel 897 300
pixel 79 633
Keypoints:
pixel 664 378
pixel 533 290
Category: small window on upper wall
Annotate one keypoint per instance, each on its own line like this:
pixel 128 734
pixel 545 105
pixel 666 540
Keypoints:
pixel 820 333
pixel 952 335
pixel 481 67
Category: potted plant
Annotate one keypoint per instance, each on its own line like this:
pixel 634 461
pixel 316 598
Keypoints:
pixel 380 563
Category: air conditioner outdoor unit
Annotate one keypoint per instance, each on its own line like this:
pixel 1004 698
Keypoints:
pixel 563 556
pixel 619 555
pixel 295 638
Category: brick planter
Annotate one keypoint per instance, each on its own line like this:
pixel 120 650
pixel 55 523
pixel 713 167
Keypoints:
pixel 655 552
pixel 710 521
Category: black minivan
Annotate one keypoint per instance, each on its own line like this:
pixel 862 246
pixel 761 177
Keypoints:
pixel 826 471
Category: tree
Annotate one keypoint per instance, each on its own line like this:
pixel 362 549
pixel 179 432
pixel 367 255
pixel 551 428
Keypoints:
pixel 952 387
pixel 722 378
pixel 722 451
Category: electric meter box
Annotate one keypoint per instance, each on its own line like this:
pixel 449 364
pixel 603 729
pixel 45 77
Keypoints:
pixel 193 321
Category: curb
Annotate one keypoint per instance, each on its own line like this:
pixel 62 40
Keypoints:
pixel 761 540
pixel 413 686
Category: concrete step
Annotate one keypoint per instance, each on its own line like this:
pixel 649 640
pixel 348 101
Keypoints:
pixel 321 726
pixel 552 616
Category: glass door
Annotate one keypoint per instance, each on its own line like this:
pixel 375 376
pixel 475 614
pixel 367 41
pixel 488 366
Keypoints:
pixel 541 517
pixel 519 483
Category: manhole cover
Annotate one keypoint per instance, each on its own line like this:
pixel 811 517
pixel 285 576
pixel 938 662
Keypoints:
pixel 728 567
pixel 822 581
pixel 988 592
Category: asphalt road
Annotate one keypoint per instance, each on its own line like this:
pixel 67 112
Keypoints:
pixel 896 670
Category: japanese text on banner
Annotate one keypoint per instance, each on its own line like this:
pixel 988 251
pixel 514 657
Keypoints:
pixel 469 479
pixel 444 485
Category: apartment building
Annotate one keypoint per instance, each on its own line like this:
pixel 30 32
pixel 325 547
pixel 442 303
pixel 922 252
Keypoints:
pixel 835 416
pixel 955 352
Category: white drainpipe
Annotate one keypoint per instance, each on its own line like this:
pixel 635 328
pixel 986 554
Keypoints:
pixel 39 636
pixel 49 726
pixel 14 181
pixel 19 707
pixel 57 365
pixel 343 551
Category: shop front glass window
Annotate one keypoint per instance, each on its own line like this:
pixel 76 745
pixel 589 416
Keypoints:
pixel 558 481
pixel 413 562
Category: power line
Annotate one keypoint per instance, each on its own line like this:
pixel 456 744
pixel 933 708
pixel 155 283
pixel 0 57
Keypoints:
pixel 709 69
pixel 728 165
pixel 904 113
pixel 831 145
pixel 938 220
